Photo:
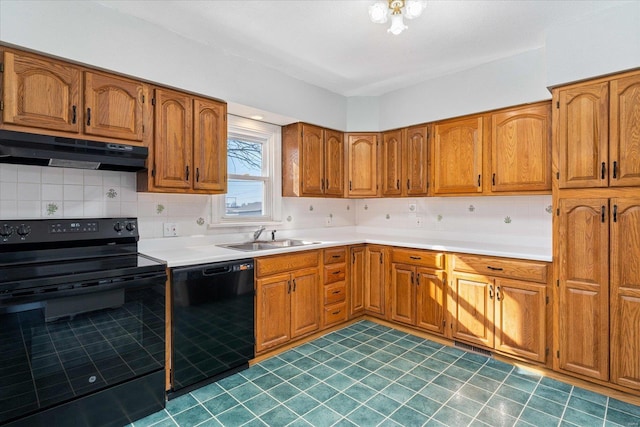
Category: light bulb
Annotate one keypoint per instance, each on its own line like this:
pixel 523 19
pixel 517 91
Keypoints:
pixel 397 25
pixel 378 12
pixel 414 8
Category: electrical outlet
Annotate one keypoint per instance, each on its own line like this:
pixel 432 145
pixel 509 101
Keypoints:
pixel 419 222
pixel 328 220
pixel 170 229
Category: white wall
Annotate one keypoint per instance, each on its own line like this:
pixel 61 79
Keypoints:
pixel 363 114
pixel 600 44
pixel 89 33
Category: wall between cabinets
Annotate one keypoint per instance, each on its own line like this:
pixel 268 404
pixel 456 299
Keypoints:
pixel 45 192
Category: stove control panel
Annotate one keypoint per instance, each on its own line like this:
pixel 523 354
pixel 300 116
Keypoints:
pixel 49 230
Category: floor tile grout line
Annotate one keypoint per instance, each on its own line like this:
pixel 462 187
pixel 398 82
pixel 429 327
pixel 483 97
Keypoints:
pixel 566 405
pixel 518 418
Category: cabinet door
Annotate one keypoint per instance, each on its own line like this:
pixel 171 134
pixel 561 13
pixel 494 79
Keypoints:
pixel 521 149
pixel 374 287
pixel 403 294
pixel 273 311
pixel 363 165
pixel 312 162
pixel 41 93
pixel 333 163
pixel 457 156
pixel 210 146
pixel 173 142
pixel 415 159
pixel 474 309
pixel 625 292
pixel 520 321
pixel 392 163
pixel 583 254
pixel 113 106
pixel 583 132
pixel 305 303
pixel 357 280
pixel 430 300
pixel 624 145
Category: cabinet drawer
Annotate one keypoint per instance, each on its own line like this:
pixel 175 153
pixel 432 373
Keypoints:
pixel 335 313
pixel 334 273
pixel 335 293
pixel 283 263
pixel 500 267
pixel 416 257
pixel 335 255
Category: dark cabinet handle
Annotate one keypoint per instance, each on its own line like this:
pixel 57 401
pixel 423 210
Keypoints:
pixel 415 257
pixel 294 285
pixel 498 293
pixel 74 114
pixel 412 278
pixel 186 172
pixel 397 184
pixel 327 184
pixel 494 268
pixel 197 174
pixel 490 291
pixel 418 279
pixel 337 272
pixel 479 176
pixel 336 292
pixel 350 186
pixel 603 170
pixel 289 286
pixel 322 184
pixel 615 170
pixel 408 184
pixel 336 256
pixel 615 213
pixel 493 179
pixel 602 212
pixel 336 312
pixel 88 116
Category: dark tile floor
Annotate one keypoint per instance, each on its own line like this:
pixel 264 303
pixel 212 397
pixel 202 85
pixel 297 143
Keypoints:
pixel 369 375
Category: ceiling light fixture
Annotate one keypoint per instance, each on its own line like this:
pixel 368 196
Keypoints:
pixel 380 11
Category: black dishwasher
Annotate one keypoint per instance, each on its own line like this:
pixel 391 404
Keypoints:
pixel 212 322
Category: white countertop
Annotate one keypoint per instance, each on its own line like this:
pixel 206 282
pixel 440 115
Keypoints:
pixel 183 251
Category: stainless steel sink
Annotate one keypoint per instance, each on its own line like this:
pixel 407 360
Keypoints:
pixel 267 244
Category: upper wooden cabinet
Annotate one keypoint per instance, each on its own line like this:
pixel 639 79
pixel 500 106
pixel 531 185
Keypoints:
pixel 521 149
pixel 48 96
pixel 312 161
pixel 362 160
pixel 404 162
pixel 189 146
pixel 597 137
pixel 457 156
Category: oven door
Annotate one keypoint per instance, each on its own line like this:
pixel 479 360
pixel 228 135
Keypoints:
pixel 78 340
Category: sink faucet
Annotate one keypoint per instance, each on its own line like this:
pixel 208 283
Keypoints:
pixel 258 232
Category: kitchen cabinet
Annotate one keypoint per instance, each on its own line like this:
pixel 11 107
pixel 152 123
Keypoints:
pixel 189 147
pixel 417 289
pixel 404 162
pixel 312 161
pixel 43 95
pixel 357 280
pixel 597 137
pixel 375 280
pixel 334 293
pixel 287 298
pixel 521 149
pixel 362 160
pixel 500 304
pixel 457 156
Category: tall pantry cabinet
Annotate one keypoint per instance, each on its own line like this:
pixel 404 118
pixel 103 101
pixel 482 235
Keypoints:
pixel 596 158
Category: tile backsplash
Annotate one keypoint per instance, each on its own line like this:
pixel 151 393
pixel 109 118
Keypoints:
pixel 47 192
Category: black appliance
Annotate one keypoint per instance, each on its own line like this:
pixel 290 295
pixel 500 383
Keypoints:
pixel 212 322
pixel 32 149
pixel 82 324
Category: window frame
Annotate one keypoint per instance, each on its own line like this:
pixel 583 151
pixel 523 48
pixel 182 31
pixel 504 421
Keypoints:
pixel 270 136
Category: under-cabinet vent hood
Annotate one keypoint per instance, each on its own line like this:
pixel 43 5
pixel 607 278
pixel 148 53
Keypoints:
pixel 31 149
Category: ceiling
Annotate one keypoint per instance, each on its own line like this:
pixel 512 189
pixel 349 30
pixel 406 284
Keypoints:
pixel 334 45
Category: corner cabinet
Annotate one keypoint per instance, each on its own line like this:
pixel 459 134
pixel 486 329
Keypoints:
pixel 189 153
pixel 43 95
pixel 597 133
pixel 362 160
pixel 287 298
pixel 500 304
pixel 312 161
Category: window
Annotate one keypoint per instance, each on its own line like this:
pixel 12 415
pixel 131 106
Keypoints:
pixel 253 174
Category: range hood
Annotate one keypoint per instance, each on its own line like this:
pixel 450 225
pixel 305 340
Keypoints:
pixel 31 149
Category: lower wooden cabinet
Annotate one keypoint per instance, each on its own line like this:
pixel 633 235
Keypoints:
pixel 417 292
pixel 334 295
pixel 357 280
pixel 367 280
pixel 508 313
pixel 287 302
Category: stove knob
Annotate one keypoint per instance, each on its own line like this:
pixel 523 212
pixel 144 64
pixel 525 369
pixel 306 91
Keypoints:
pixel 131 226
pixel 117 226
pixel 6 230
pixel 23 230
